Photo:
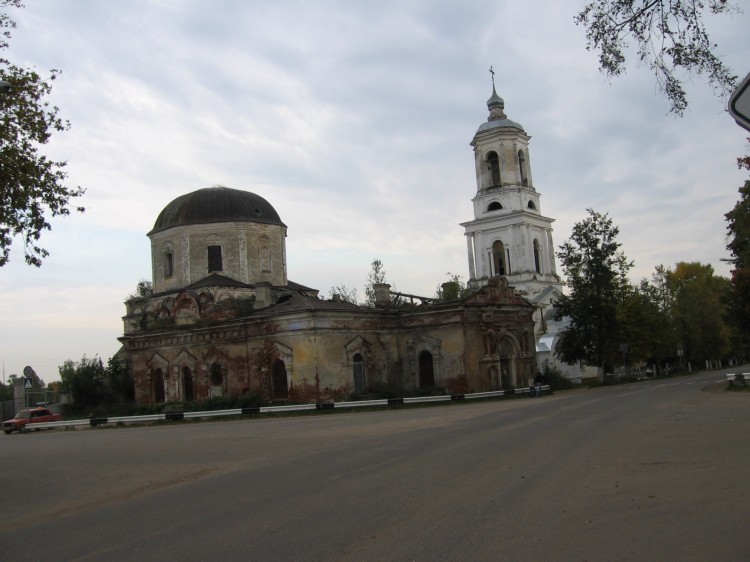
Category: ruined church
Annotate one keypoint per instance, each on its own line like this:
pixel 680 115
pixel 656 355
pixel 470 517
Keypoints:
pixel 225 319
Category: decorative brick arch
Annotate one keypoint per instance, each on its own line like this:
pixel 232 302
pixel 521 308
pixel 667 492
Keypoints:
pixel 417 348
pixel 507 349
pixel 358 352
pixel 278 355
pixel 158 370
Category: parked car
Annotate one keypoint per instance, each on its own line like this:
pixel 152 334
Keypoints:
pixel 25 418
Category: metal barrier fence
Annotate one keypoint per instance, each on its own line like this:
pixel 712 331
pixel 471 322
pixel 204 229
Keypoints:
pixel 177 416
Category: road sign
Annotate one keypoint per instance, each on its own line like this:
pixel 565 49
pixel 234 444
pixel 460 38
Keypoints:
pixel 26 383
pixel 739 103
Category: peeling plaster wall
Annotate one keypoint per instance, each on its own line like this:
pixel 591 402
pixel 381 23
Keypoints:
pixel 317 348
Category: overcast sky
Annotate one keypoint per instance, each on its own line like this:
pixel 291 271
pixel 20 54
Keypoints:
pixel 353 119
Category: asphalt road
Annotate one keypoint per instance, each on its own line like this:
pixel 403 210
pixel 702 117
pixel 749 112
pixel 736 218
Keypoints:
pixel 656 470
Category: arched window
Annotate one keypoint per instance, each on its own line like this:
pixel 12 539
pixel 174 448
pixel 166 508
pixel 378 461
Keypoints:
pixel 531 205
pixel 187 385
pixel 494 206
pixel 499 259
pixel 158 386
pixel 279 386
pixel 360 384
pixel 537 257
pixel 494 163
pixel 522 167
pixel 426 370
pixel 217 378
pixel 168 264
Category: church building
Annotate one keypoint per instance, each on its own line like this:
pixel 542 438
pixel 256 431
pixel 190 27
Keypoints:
pixel 224 318
pixel 509 236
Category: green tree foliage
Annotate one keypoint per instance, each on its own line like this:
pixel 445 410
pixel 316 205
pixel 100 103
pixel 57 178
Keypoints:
pixel 143 290
pixel 699 310
pixel 669 36
pixel 454 288
pixel 345 293
pixel 84 381
pixel 738 231
pixel 596 272
pixel 90 384
pixel 32 187
pixel 646 326
pixel 375 277
pixel 119 380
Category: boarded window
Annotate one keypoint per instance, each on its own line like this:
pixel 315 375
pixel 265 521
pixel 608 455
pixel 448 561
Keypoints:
pixel 214 259
pixel 264 253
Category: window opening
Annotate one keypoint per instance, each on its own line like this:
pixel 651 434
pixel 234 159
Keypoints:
pixel 168 264
pixel 522 167
pixel 158 386
pixel 531 205
pixel 494 162
pixel 426 370
pixel 279 386
pixel 537 257
pixel 216 377
pixel 359 374
pixel 187 385
pixel 494 206
pixel 214 258
pixel 498 258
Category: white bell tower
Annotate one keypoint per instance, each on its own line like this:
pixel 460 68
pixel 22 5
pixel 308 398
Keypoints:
pixel 508 236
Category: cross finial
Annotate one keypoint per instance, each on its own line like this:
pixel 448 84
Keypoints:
pixel 493 76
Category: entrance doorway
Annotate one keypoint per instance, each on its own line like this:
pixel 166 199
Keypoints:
pixel 279 386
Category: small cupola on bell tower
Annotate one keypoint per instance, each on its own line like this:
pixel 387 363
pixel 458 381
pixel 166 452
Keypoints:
pixel 508 236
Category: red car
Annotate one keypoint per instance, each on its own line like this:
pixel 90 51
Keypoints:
pixel 27 417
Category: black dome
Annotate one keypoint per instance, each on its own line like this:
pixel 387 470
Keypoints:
pixel 216 204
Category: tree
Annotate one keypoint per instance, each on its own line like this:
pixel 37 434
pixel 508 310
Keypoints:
pixel 32 187
pixel 596 272
pixel 669 35
pixel 738 231
pixel 143 290
pixel 699 310
pixel 85 381
pixel 345 293
pixel 119 380
pixel 375 277
pixel 647 323
pixel 454 288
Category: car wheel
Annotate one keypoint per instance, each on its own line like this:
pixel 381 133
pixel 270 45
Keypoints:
pixel 7 431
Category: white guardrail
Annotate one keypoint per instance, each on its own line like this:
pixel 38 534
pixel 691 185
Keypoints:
pixel 177 416
pixel 738 377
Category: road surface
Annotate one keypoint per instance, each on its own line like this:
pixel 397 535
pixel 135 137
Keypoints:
pixel 656 470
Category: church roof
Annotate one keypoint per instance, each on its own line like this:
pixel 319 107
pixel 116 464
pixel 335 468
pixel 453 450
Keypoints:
pixel 497 118
pixel 216 204
pixel 304 303
pixel 498 124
